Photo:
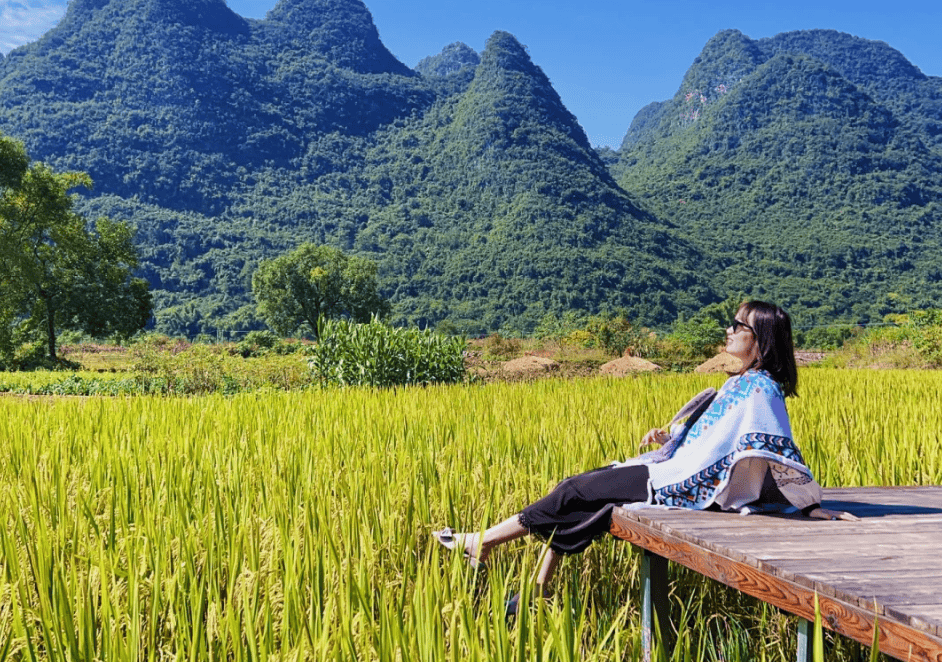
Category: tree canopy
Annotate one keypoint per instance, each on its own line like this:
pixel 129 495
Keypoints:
pixel 294 291
pixel 56 272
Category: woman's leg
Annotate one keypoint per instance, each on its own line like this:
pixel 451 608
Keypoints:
pixel 547 570
pixel 572 515
pixel 479 547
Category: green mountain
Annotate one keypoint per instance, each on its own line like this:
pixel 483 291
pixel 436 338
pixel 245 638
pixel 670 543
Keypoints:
pixel 452 60
pixel 227 140
pixel 803 168
pixel 497 197
pixel 808 164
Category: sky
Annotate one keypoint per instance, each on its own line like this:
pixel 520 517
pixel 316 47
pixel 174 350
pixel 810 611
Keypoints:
pixel 606 58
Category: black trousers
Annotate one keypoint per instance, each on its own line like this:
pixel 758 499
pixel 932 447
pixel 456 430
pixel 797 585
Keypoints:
pixel 579 509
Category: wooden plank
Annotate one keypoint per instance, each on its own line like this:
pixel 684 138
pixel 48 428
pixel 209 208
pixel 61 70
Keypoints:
pixel 862 547
pixel 928 616
pixel 867 573
pixel 896 638
pixel 856 542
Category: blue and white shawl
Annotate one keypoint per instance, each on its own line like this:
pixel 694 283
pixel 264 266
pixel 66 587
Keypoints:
pixel 725 455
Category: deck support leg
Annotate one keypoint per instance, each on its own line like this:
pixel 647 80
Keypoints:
pixel 805 640
pixel 654 604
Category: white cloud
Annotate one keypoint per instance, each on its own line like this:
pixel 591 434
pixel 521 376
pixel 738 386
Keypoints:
pixel 23 21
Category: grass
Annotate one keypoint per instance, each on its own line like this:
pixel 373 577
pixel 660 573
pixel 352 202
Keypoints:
pixel 98 358
pixel 290 526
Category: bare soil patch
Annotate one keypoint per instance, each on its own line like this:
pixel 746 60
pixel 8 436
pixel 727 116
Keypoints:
pixel 627 365
pixel 530 365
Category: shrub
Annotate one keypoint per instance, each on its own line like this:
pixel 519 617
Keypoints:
pixel 617 336
pixel 500 347
pixel 35 356
pixel 197 369
pixel 701 335
pixel 375 354
pixel 827 337
pixel 553 327
pixel 881 347
pixel 580 338
pixel 257 343
pixel 925 327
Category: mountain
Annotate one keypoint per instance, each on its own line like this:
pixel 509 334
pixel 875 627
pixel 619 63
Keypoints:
pixel 803 168
pixel 166 100
pixel 808 165
pixel 228 140
pixel 514 206
pixel 453 59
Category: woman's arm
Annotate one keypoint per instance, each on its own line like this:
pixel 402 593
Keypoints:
pixel 656 436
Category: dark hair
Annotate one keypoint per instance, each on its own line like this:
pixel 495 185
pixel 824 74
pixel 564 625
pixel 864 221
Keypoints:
pixel 773 332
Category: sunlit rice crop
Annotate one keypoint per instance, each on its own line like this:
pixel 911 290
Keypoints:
pixel 296 525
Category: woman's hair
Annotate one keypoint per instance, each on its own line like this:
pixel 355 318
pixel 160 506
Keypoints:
pixel 773 332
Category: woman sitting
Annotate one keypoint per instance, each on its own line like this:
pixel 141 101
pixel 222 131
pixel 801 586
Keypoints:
pixel 734 451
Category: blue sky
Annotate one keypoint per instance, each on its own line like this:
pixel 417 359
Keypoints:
pixel 606 58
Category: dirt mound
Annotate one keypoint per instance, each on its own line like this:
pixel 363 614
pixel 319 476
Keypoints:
pixel 804 357
pixel 627 365
pixel 529 365
pixel 722 362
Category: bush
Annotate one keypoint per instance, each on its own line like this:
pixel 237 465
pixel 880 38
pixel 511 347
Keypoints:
pixel 195 369
pixel 617 336
pixel 77 385
pixel 881 347
pixel 827 337
pixel 701 335
pixel 499 347
pixel 257 343
pixel 553 327
pixel 913 341
pixel 925 328
pixel 34 356
pixel 375 354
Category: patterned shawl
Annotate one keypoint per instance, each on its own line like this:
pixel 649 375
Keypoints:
pixel 727 452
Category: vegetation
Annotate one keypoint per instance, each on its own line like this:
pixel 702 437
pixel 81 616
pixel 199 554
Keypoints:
pixel 905 341
pixel 297 524
pixel 296 291
pixel 266 136
pixel 377 355
pixel 55 272
pixel 798 167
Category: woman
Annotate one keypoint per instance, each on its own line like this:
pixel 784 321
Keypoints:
pixel 734 452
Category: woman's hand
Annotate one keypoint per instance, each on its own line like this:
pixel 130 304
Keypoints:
pixel 824 513
pixel 656 436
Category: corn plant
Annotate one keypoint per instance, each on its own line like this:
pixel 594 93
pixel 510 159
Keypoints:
pixel 374 354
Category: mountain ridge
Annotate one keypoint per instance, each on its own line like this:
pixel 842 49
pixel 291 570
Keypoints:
pixel 814 176
pixel 470 183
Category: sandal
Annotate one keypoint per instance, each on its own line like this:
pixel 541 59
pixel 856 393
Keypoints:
pixel 447 538
pixel 511 606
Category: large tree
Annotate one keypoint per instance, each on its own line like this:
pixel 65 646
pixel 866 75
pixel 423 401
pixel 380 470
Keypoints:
pixel 56 271
pixel 295 290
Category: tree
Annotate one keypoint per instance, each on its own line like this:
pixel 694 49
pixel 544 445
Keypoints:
pixel 294 291
pixel 55 270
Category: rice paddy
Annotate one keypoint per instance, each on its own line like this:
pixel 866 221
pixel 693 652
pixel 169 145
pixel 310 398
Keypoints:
pixel 296 525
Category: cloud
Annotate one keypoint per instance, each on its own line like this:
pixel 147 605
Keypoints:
pixel 23 21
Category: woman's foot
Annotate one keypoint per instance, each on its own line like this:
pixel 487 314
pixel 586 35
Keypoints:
pixel 466 542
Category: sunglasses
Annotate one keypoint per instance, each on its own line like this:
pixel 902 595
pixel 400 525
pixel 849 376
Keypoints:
pixel 736 324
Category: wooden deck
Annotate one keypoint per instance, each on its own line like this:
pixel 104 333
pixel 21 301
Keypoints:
pixel 888 564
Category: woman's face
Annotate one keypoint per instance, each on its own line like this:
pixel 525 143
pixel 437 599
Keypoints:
pixel 741 339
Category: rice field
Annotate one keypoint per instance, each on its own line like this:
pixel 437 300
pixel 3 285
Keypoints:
pixel 296 526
